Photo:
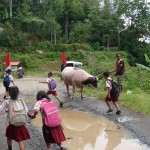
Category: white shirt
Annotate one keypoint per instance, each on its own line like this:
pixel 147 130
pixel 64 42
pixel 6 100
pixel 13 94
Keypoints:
pixel 108 83
pixel 11 80
pixel 5 106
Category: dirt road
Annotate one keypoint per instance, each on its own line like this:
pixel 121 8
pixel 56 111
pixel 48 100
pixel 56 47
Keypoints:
pixel 138 125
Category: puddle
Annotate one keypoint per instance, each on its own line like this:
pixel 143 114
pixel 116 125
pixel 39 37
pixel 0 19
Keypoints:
pixel 85 131
pixel 127 118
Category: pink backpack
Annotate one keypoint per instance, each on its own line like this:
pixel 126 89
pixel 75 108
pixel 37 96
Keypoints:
pixel 51 113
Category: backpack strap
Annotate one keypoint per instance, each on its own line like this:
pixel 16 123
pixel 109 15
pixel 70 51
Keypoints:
pixel 110 80
pixel 44 101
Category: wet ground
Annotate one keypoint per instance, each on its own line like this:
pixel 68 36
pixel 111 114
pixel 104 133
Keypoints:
pixel 86 125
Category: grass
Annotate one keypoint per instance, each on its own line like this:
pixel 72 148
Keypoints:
pixel 136 102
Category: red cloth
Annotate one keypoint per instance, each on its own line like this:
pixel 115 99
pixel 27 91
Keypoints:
pixel 7 60
pixel 19 133
pixel 54 93
pixel 118 65
pixel 53 135
pixel 63 58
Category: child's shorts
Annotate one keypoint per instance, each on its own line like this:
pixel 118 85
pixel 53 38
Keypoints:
pixel 54 93
pixel 111 99
pixel 7 88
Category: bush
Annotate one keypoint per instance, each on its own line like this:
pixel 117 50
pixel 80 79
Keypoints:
pixel 70 47
pixel 43 45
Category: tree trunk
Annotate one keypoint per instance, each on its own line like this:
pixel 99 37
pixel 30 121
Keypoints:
pixel 108 41
pixel 32 32
pixel 51 37
pixel 66 28
pixel 118 36
pixel 10 10
pixel 55 36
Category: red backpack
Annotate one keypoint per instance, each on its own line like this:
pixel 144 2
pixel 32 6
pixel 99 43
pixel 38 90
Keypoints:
pixel 51 113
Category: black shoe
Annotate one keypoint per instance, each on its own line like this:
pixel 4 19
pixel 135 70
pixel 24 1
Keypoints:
pixel 4 97
pixel 61 104
pixel 110 110
pixel 118 112
pixel 9 147
pixel 62 148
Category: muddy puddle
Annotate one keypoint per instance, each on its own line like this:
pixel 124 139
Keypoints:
pixel 85 131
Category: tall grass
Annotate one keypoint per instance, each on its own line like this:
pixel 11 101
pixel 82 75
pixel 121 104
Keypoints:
pixel 138 102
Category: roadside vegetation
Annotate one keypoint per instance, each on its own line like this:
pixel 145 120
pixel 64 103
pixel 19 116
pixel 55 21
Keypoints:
pixel 90 31
pixel 136 91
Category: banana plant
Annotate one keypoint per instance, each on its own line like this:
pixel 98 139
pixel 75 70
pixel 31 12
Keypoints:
pixel 147 59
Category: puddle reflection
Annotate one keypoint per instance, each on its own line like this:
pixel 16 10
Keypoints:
pixel 89 132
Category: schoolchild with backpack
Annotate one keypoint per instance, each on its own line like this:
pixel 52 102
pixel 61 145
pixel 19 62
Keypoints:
pixel 51 82
pixel 18 116
pixel 7 82
pixel 112 93
pixel 52 129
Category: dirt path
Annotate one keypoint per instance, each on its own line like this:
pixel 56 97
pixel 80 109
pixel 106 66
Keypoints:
pixel 136 124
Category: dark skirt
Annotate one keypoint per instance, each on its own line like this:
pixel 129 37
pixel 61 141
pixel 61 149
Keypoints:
pixel 17 133
pixel 53 134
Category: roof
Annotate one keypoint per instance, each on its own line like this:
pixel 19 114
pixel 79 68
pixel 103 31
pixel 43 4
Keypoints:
pixel 14 63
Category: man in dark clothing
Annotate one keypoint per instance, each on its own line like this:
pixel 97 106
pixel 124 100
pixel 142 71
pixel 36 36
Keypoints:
pixel 62 67
pixel 120 70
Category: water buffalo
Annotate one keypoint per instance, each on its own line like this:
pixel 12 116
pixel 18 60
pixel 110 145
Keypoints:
pixel 77 77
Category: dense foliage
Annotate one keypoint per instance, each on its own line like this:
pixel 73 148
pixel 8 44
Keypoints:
pixel 55 25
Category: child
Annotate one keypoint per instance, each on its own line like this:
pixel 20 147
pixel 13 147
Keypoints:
pixel 108 98
pixel 10 82
pixel 50 134
pixel 17 133
pixel 53 92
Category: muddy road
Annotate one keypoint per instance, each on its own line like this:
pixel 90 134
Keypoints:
pixel 135 125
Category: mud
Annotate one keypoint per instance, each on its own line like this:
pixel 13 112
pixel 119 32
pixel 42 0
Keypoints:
pixel 85 131
pixel 134 124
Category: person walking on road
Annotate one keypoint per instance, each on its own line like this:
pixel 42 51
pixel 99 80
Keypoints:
pixel 120 70
pixel 7 82
pixel 51 134
pixel 17 133
pixel 109 96
pixel 52 87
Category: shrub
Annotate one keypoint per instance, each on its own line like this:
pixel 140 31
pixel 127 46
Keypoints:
pixel 43 45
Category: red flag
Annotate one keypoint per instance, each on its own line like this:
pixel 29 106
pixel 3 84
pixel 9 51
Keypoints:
pixel 7 60
pixel 63 58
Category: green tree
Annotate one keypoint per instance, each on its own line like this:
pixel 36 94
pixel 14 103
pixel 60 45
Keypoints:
pixel 81 32
pixel 51 26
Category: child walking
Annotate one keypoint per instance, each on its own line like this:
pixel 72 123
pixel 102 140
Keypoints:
pixel 9 81
pixel 51 91
pixel 17 133
pixel 50 134
pixel 109 98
